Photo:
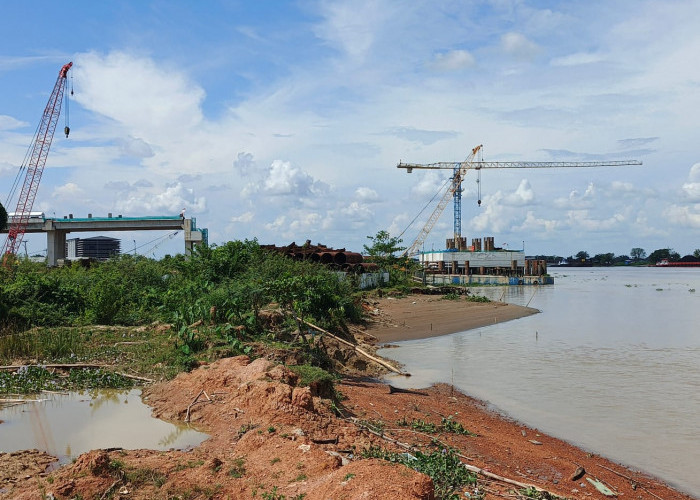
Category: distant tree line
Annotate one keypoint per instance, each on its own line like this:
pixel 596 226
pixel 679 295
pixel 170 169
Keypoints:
pixel 637 256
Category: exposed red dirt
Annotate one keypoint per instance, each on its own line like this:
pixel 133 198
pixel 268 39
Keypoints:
pixel 269 437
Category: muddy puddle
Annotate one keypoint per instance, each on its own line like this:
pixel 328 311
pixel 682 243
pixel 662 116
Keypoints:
pixel 66 425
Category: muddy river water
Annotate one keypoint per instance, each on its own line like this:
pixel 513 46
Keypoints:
pixel 67 425
pixel 612 364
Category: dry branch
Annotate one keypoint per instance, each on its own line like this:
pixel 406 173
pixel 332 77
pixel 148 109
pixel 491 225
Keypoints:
pixel 60 366
pixel 357 349
pixel 135 377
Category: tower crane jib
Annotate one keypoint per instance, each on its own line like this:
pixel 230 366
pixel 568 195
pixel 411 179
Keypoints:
pixel 454 188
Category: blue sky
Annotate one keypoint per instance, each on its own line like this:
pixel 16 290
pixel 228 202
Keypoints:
pixel 284 121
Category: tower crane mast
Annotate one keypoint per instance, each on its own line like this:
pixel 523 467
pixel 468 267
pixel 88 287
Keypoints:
pixel 460 169
pixel 38 152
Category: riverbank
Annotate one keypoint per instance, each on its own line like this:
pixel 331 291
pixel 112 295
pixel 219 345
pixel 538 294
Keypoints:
pixel 423 316
pixel 271 438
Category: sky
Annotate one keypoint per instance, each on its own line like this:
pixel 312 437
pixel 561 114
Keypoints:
pixel 285 121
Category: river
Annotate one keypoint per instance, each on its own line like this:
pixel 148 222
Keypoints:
pixel 611 364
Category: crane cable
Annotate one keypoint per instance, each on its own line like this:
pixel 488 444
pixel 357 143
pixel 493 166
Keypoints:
pixel 426 206
pixel 19 179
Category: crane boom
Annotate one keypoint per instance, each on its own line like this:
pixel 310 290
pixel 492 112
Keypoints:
pixel 39 150
pixel 459 169
pixel 477 165
pixel 450 191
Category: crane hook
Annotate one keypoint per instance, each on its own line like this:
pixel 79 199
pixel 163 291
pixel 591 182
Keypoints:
pixel 67 130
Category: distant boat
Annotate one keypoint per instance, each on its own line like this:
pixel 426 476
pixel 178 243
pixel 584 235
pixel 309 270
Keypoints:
pixel 681 263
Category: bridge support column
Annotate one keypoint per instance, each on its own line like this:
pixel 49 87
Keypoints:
pixel 55 246
pixel 193 236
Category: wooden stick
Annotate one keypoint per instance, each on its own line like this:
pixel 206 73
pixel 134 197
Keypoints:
pixel 135 377
pixel 69 365
pixel 358 349
pixel 633 481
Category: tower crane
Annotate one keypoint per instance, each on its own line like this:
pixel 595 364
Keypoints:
pixel 460 169
pixel 34 164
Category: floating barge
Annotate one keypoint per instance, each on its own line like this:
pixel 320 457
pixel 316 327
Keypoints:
pixel 483 264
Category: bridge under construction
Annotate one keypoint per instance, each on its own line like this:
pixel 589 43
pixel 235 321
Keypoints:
pixel 57 229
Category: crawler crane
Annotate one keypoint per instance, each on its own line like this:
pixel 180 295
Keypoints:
pixel 460 169
pixel 36 159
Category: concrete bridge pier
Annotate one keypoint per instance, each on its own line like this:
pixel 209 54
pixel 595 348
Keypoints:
pixel 193 236
pixel 55 246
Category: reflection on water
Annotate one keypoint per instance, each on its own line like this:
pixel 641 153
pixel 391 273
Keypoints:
pixel 66 425
pixel 612 363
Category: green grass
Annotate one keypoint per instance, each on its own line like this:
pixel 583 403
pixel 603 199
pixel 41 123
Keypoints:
pixel 444 467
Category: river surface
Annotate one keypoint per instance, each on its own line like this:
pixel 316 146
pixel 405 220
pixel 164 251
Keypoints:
pixel 611 364
pixel 66 425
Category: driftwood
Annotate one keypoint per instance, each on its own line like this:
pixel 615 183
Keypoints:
pixel 398 390
pixel 61 366
pixel 357 349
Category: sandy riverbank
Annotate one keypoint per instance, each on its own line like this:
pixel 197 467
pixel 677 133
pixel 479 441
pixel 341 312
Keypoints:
pixel 423 316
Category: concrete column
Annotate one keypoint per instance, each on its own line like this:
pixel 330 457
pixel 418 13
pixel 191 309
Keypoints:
pixel 55 246
pixel 192 237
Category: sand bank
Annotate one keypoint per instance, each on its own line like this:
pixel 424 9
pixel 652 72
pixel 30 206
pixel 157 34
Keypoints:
pixel 423 316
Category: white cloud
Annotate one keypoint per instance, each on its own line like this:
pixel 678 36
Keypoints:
pixel 286 179
pixel 578 59
pixel 518 45
pixel 453 60
pixel 68 191
pixel 582 220
pixel 154 102
pixel 429 185
pixel 244 218
pixel 244 163
pixel 9 123
pixel 133 146
pixel 683 216
pixel 694 175
pixel 356 211
pixel 523 195
pixel 367 195
pixel 169 201
pixel 533 223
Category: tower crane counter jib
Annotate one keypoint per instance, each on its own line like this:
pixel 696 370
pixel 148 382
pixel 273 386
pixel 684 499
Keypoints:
pixel 38 152
pixel 454 188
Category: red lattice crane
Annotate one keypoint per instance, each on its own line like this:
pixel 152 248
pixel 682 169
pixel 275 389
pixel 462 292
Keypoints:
pixel 36 159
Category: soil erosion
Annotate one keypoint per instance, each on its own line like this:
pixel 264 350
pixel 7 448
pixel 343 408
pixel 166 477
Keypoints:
pixel 274 439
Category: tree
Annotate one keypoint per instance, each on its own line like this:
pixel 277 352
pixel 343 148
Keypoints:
pixel 604 259
pixel 582 256
pixel 383 247
pixel 638 253
pixel 663 253
pixel 382 251
pixel 3 217
pixel 696 253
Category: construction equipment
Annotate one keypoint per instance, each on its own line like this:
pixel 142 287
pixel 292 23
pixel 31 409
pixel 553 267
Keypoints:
pixel 459 170
pixel 34 165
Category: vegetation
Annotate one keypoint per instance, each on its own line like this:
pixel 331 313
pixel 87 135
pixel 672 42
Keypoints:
pixel 444 467
pixel 3 217
pixel 382 252
pixel 637 256
pixel 158 317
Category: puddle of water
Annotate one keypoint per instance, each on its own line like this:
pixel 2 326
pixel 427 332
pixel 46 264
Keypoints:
pixel 68 425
